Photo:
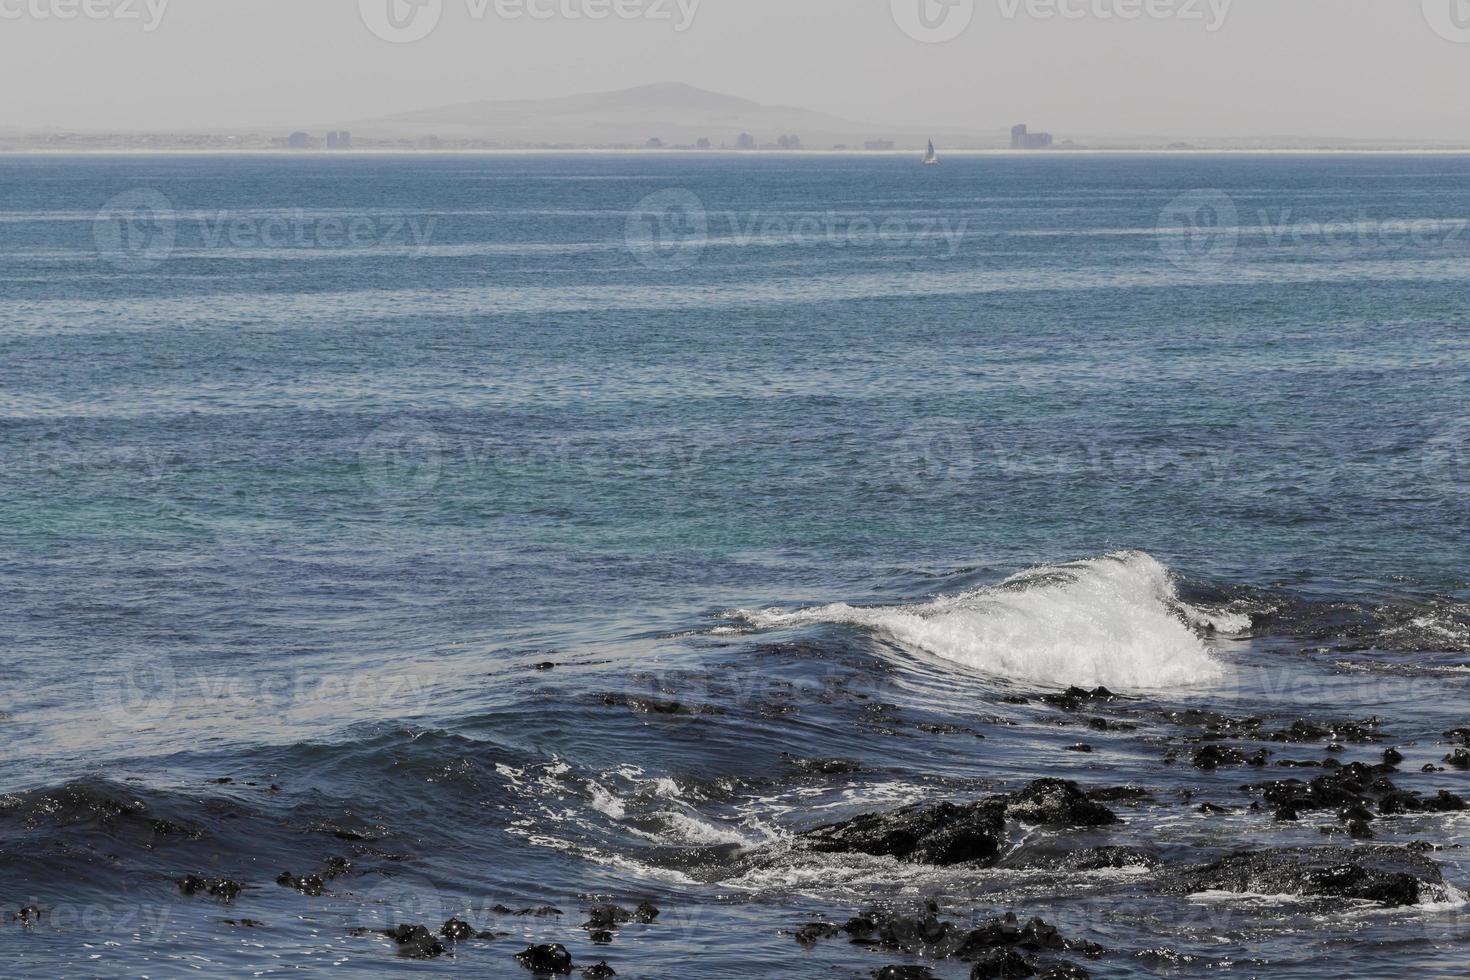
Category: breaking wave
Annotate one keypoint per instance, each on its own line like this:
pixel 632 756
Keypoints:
pixel 1115 621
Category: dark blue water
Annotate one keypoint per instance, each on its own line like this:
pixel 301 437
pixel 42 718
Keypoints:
pixel 309 463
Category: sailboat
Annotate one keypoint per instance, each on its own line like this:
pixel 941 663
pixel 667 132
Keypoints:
pixel 931 159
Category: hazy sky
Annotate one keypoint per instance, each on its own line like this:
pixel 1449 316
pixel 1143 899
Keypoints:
pixel 1372 68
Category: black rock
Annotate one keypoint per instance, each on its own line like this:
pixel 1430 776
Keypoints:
pixel 221 888
pixel 823 767
pixel 28 915
pixel 1214 808
pixel 1392 757
pixel 601 937
pixel 1359 830
pixel 457 930
pixel 941 834
pixel 813 931
pixel 1214 756
pixel 1074 698
pixel 598 971
pixel 306 884
pixel 1387 875
pixel 645 912
pixel 929 936
pixel 1007 931
pixel 903 973
pixel 1091 859
pixel 1066 971
pixel 1058 803
pixel 1002 963
pixel 606 917
pixel 416 942
pixel 1079 747
pixel 546 958
pixel 1460 758
pixel 548 665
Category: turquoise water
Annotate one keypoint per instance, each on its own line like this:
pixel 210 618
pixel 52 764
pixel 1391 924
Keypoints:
pixel 310 460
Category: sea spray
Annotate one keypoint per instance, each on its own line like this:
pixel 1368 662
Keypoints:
pixel 1114 620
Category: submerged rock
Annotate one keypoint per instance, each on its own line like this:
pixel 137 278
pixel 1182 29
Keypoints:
pixel 948 833
pixel 1002 963
pixel 599 971
pixel 1090 859
pixel 606 917
pixel 1214 756
pixel 925 934
pixel 416 942
pixel 313 885
pixel 546 958
pixel 940 834
pixel 823 767
pixel 903 973
pixel 221 888
pixel 814 931
pixel 1354 785
pixel 1387 875
pixel 1073 698
pixel 1066 971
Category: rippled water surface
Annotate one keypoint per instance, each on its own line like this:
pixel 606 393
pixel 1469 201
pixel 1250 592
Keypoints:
pixel 532 533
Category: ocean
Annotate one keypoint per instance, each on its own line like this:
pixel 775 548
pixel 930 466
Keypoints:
pixel 516 539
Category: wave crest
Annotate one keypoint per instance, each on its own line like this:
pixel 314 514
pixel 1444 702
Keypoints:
pixel 1115 621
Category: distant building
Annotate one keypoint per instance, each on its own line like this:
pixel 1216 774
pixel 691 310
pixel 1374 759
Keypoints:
pixel 299 141
pixel 1023 139
pixel 878 145
pixel 332 140
pixel 344 140
pixel 654 143
pixel 703 143
pixel 745 141
pixel 789 143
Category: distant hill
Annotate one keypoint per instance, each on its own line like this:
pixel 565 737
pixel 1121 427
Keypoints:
pixel 674 113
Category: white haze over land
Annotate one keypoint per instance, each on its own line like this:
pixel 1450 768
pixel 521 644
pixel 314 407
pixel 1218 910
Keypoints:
pixel 1180 69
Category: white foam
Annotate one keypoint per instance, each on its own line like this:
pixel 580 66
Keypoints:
pixel 1114 621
